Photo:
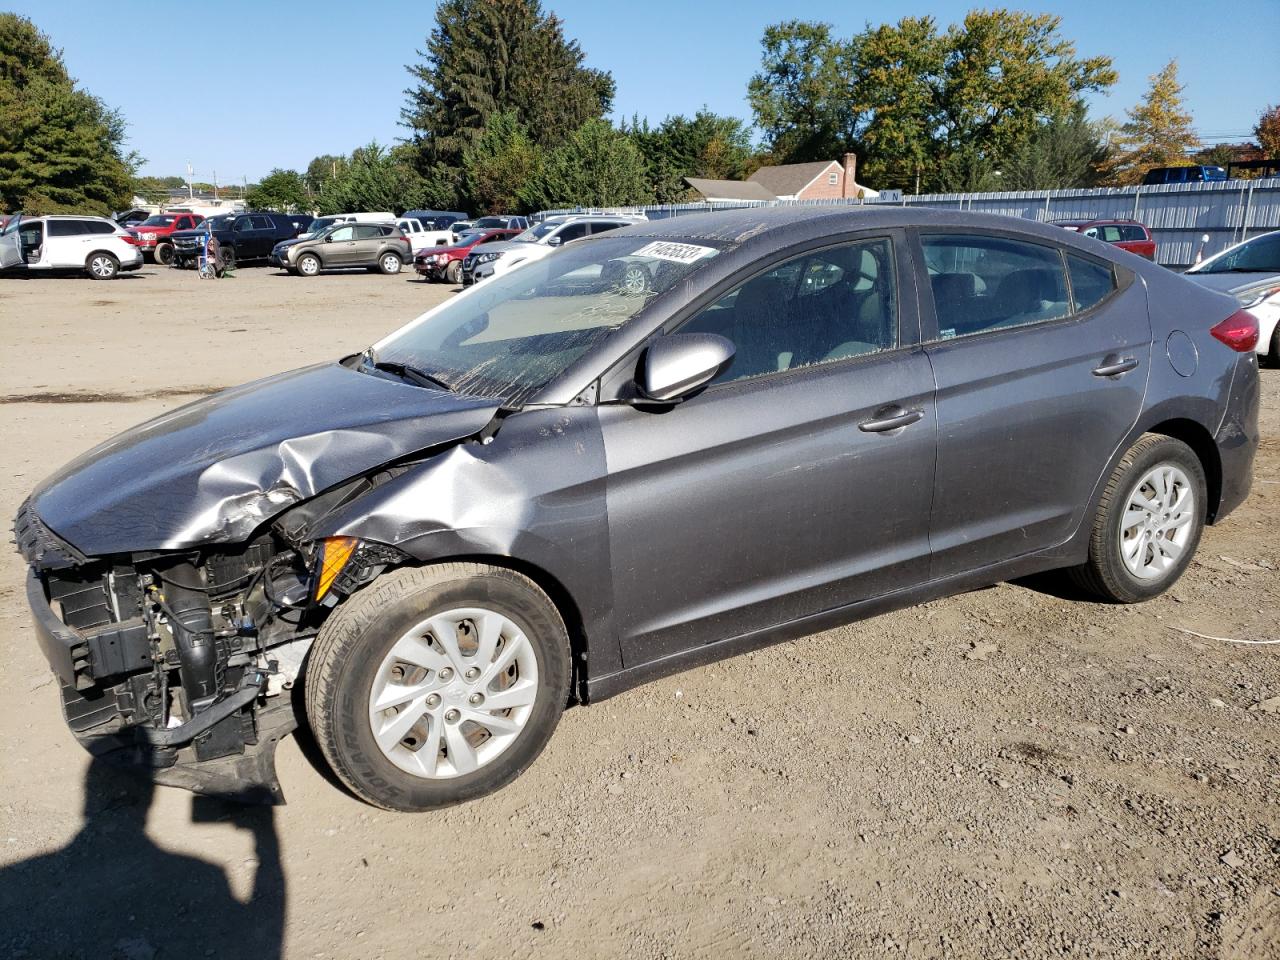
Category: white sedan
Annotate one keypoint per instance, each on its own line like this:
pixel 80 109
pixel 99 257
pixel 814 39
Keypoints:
pixel 1250 272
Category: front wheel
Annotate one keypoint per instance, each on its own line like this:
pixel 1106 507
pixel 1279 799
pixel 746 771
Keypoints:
pixel 453 272
pixel 1148 523
pixel 103 266
pixel 390 263
pixel 308 265
pixel 1274 356
pixel 163 254
pixel 437 684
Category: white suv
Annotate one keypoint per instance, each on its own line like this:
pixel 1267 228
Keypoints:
pixel 537 242
pixel 98 246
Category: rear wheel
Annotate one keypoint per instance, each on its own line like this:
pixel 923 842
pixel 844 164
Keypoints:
pixel 1274 356
pixel 1148 523
pixel 308 265
pixel 228 258
pixel 438 684
pixel 389 263
pixel 102 266
pixel 163 254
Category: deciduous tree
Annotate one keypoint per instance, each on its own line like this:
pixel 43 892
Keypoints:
pixel 1158 132
pixel 1267 131
pixel 281 190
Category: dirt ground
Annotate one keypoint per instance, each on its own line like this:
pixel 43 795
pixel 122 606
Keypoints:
pixel 1006 773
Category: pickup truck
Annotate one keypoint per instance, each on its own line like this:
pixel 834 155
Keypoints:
pixel 242 236
pixel 152 235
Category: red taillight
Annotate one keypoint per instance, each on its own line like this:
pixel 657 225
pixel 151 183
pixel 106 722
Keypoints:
pixel 1239 331
pixel 130 238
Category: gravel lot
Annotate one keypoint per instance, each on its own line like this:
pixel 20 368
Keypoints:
pixel 1006 773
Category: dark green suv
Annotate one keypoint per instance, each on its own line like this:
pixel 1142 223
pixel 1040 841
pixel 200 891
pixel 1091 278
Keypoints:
pixel 376 246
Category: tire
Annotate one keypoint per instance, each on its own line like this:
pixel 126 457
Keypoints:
pixel 181 263
pixel 390 263
pixel 1273 357
pixel 102 266
pixel 163 254
pixel 308 265
pixel 1118 533
pixel 352 658
pixel 228 259
pixel 453 272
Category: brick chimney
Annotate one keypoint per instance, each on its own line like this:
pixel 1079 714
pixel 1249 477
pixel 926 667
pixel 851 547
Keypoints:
pixel 850 179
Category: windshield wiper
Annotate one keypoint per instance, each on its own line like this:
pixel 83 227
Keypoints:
pixel 412 374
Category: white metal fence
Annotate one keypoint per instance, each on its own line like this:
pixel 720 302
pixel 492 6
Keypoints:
pixel 1177 214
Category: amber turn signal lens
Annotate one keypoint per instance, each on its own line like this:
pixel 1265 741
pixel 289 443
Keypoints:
pixel 334 554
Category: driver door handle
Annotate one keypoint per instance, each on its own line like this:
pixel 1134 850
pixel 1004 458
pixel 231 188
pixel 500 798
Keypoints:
pixel 896 419
pixel 1114 366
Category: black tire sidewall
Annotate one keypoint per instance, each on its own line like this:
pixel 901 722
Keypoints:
pixel 453 272
pixel 382 264
pixel 305 258
pixel 1180 455
pixel 353 739
pixel 163 254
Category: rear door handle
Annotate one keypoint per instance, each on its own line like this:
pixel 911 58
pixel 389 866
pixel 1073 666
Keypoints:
pixel 1115 366
pixel 896 421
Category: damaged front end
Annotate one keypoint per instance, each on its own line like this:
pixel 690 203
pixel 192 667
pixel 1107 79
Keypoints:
pixel 183 664
pixel 174 580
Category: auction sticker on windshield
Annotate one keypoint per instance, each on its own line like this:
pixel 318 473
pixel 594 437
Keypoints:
pixel 675 252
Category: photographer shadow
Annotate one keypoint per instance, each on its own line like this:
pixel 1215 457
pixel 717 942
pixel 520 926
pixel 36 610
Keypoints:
pixel 112 892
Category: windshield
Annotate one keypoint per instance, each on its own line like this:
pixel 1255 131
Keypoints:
pixel 159 220
pixel 221 222
pixel 491 222
pixel 536 233
pixel 512 335
pixel 1259 255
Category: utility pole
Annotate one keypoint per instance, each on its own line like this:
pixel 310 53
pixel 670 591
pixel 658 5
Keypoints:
pixel 191 191
pixel 215 185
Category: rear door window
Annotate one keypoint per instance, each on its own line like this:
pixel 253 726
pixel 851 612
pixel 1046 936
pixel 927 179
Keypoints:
pixel 66 228
pixel 262 223
pixel 984 283
pixel 98 226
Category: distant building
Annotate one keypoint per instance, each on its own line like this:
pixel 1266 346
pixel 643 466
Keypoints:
pixel 820 180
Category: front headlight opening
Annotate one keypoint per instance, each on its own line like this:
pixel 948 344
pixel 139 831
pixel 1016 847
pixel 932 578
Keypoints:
pixel 334 554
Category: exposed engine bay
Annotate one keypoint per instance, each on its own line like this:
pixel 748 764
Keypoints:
pixel 184 662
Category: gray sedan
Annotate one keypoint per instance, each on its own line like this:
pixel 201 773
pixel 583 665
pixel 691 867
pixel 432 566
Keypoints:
pixel 567 481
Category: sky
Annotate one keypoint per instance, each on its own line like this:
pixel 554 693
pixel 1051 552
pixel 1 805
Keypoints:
pixel 277 83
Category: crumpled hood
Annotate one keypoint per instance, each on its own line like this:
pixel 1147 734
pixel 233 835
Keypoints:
pixel 213 470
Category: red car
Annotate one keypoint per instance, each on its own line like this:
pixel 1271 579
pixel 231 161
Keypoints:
pixel 152 234
pixel 445 263
pixel 1126 234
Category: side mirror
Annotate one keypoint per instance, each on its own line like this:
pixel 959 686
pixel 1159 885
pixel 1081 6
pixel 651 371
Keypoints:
pixel 329 239
pixel 553 241
pixel 675 366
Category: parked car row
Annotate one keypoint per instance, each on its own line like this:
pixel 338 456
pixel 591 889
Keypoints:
pixel 537 242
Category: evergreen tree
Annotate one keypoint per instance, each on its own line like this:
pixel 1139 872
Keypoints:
pixel 597 166
pixel 1060 154
pixel 498 165
pixel 495 56
pixel 1158 132
pixel 373 178
pixel 708 145
pixel 61 149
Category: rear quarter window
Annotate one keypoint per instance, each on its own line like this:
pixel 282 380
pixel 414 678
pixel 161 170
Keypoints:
pixel 1091 282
